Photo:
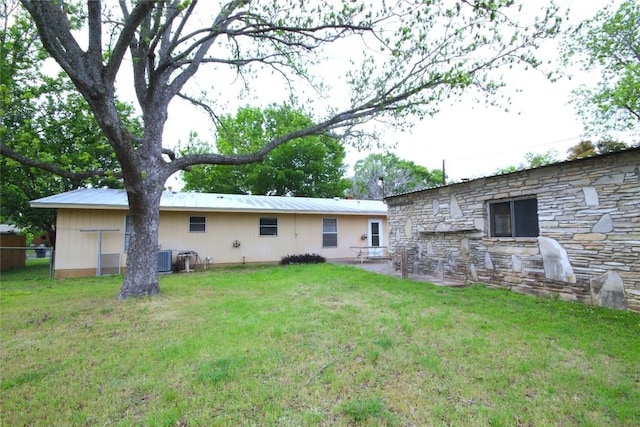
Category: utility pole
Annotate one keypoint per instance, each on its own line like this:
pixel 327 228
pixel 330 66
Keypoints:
pixel 444 180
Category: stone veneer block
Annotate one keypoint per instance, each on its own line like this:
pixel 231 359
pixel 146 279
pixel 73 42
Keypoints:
pixel 488 262
pixel 516 264
pixel 608 290
pixel 454 208
pixel 442 227
pixel 430 251
pixel 408 225
pixel 590 196
pixel 610 179
pixel 589 236
pixel 473 273
pixel 555 260
pixel 604 225
pixel 439 271
pixel 464 248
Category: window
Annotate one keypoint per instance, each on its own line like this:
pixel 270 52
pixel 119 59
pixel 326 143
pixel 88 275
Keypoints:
pixel 374 233
pixel 329 233
pixel 514 218
pixel 197 224
pixel 268 226
pixel 127 231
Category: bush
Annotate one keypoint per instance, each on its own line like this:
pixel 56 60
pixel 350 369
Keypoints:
pixel 302 259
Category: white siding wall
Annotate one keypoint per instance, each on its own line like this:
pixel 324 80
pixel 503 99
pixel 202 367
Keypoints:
pixel 297 234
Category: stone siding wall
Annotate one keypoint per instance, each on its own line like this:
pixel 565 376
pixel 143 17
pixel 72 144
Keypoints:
pixel 589 220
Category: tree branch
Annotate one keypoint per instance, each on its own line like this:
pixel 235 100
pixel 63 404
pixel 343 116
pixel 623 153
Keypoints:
pixel 221 23
pixel 54 28
pixel 48 167
pixel 95 31
pixel 212 115
pixel 127 36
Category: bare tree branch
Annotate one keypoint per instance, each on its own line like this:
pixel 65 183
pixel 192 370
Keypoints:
pixel 206 107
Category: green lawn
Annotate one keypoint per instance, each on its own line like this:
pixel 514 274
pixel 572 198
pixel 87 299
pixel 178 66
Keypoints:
pixel 308 345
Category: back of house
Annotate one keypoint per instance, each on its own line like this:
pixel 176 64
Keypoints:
pixel 197 230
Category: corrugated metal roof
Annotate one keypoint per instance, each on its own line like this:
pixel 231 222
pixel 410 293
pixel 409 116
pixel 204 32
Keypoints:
pixel 106 198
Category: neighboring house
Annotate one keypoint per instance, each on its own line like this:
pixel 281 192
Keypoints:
pixel 570 229
pixel 208 229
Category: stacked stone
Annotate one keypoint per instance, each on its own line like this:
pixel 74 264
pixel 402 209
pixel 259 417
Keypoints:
pixel 589 221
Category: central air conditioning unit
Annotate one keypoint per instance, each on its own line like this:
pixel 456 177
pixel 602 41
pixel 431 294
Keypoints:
pixel 165 263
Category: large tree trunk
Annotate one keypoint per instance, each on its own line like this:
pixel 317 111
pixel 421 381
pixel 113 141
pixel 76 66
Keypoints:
pixel 141 276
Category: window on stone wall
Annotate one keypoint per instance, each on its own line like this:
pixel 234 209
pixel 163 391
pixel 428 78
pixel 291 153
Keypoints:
pixel 514 218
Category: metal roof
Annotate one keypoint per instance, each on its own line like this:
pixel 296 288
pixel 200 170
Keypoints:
pixel 106 198
pixel 8 229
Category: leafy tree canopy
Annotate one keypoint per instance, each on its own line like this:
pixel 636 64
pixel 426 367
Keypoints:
pixel 532 160
pixel 45 120
pixel 380 175
pixel 609 42
pixel 588 148
pixel 312 166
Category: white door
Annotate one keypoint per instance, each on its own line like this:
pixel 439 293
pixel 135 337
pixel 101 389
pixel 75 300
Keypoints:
pixel 375 238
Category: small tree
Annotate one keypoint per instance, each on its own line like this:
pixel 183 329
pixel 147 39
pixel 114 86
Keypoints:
pixel 532 160
pixel 380 175
pixel 588 148
pixel 414 56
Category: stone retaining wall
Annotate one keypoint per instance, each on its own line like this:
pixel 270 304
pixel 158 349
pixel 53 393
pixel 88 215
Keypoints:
pixel 588 249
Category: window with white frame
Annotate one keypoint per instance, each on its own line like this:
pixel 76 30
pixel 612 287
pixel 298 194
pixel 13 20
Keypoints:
pixel 329 232
pixel 197 224
pixel 268 226
pixel 514 218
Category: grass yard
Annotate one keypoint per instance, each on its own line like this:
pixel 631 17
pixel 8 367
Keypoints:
pixel 308 345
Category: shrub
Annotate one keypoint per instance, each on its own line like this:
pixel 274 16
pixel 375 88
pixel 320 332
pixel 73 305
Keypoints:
pixel 302 259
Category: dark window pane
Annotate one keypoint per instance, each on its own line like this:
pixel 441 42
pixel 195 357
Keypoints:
pixel 330 232
pixel 268 221
pixel 526 218
pixel 329 240
pixel 375 228
pixel 329 225
pixel 500 219
pixel 268 226
pixel 197 224
pixel 197 228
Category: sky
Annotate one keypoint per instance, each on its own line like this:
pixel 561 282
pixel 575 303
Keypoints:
pixel 473 139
